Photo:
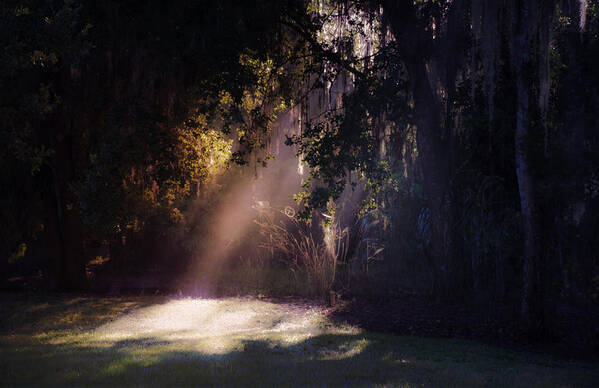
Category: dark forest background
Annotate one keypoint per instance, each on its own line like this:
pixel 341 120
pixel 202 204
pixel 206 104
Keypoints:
pixel 450 153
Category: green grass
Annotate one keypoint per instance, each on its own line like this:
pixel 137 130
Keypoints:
pixel 157 341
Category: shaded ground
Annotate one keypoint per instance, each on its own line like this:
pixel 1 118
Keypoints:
pixel 156 341
pixel 574 336
pixel 419 316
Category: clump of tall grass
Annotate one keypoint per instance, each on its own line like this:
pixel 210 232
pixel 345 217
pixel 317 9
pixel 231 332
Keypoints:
pixel 311 251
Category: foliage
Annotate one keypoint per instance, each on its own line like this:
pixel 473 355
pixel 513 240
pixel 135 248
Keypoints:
pixel 429 126
pixel 122 111
pixel 38 43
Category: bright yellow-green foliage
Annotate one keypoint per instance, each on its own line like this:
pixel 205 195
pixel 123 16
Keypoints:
pixel 203 153
pixel 156 341
pixel 19 253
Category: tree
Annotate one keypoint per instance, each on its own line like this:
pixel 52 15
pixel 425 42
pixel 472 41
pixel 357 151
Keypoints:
pixel 123 105
pixel 476 73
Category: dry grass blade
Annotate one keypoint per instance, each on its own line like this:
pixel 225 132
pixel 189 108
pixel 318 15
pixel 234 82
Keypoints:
pixel 315 255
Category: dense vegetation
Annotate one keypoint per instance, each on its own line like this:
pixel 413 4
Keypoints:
pixel 450 149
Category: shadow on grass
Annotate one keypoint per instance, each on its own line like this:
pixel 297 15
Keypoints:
pixel 33 313
pixel 352 360
pixel 144 362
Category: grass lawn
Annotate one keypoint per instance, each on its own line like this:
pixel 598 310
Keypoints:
pixel 159 341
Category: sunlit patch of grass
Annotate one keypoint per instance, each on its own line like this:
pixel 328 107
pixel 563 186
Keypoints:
pixel 344 350
pixel 147 341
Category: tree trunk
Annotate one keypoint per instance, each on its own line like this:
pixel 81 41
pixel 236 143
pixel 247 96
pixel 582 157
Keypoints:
pixel 65 237
pixel 532 301
pixel 69 225
pixel 434 167
pixel 52 239
pixel 415 45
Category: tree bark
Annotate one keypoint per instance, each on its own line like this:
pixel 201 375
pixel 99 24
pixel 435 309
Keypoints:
pixel 69 226
pixel 532 301
pixel 432 154
pixel 416 45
